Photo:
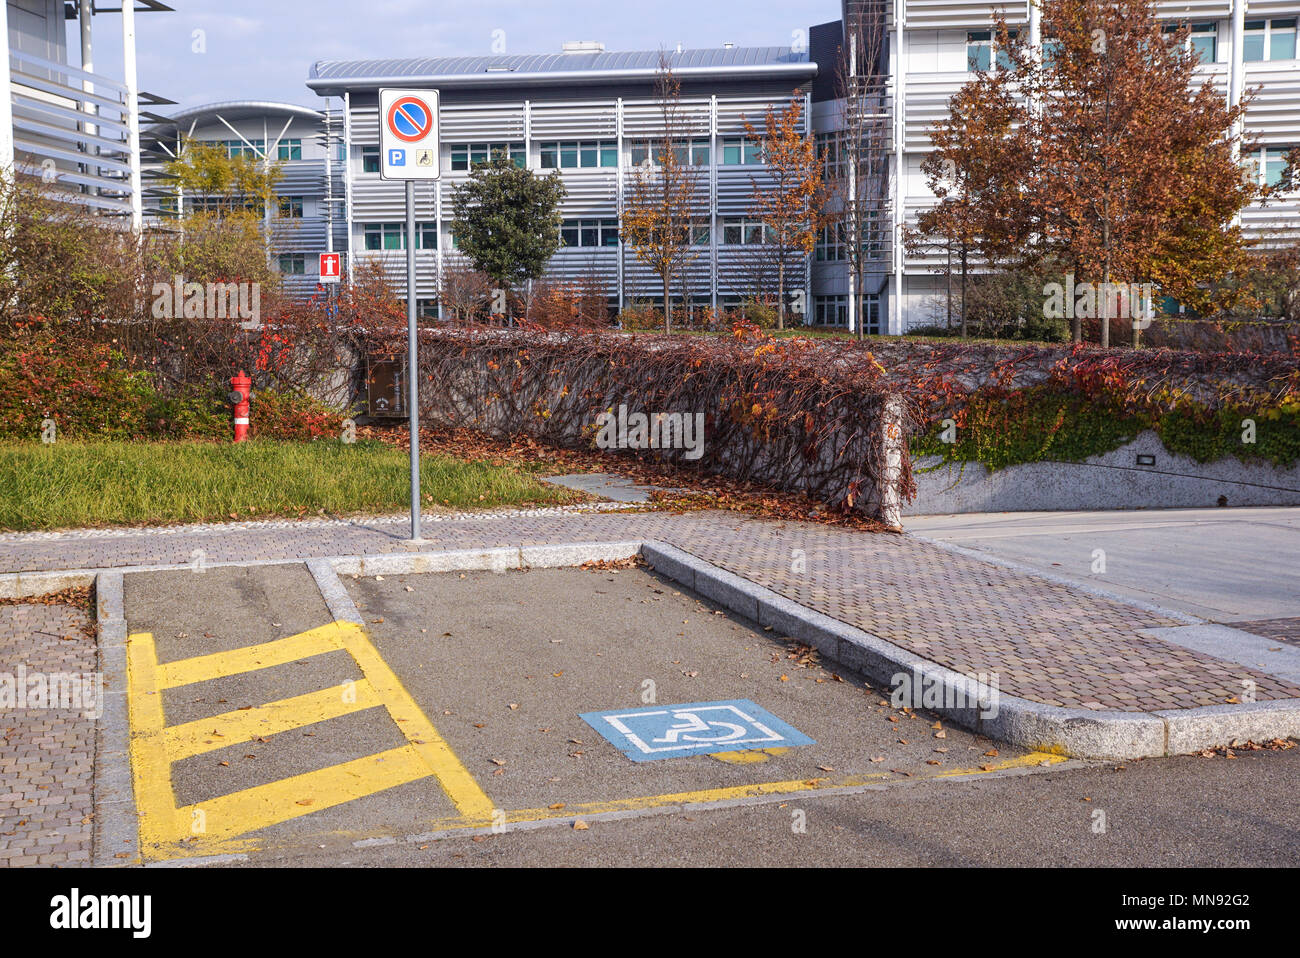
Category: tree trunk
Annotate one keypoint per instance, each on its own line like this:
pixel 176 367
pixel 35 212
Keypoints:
pixel 668 301
pixel 780 290
pixel 964 329
pixel 1106 299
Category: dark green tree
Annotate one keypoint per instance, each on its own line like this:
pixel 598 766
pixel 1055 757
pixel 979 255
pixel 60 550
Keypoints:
pixel 506 220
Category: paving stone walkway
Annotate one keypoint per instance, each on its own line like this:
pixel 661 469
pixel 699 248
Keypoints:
pixel 1047 642
pixel 47 755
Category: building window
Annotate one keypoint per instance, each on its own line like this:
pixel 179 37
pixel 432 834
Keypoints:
pixel 426 308
pixel 289 150
pixel 871 314
pixel 291 207
pixel 293 264
pixel 694 153
pixel 744 231
pixel 1267 164
pixel 1269 40
pixel 370 159
pixel 831 310
pixel 979 51
pixel 392 236
pixel 466 156
pixel 982 49
pixel 830 243
pixel 741 151
pixel 572 155
pixel 589 233
pixel 1203 39
pixel 830 147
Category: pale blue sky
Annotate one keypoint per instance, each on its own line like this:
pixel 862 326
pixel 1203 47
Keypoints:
pixel 263 49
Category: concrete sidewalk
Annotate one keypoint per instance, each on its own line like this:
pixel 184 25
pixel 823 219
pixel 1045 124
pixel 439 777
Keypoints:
pixel 1238 566
pixel 1050 642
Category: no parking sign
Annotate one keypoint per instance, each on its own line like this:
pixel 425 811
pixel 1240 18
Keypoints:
pixel 408 134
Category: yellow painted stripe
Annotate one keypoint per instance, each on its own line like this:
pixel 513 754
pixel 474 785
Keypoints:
pixel 151 770
pixel 244 725
pixel 229 815
pixel 249 659
pixel 749 791
pixel 453 776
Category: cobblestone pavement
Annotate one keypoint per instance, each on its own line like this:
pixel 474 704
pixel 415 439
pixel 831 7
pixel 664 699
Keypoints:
pixel 1279 630
pixel 47 755
pixel 1048 643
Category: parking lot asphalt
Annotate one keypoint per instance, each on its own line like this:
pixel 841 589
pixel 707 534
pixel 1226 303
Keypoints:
pixel 262 728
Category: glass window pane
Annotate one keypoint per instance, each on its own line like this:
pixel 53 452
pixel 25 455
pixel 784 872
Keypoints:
pixel 568 155
pixel 1253 46
pixel 731 153
pixel 731 233
pixel 609 154
pixel 588 154
pixel 1282 42
pixel 393 236
pixel 1274 164
pixel 460 157
pixel 700 153
pixel 1204 48
pixel 640 153
pixel 753 152
pixel 569 233
pixel 753 233
pixel 550 153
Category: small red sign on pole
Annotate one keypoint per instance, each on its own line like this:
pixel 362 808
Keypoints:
pixel 329 268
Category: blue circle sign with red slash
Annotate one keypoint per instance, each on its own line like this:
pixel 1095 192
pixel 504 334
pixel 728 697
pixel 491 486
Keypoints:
pixel 409 119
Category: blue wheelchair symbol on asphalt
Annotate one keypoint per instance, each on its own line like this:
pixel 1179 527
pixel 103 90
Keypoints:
pixel 670 731
pixel 396 157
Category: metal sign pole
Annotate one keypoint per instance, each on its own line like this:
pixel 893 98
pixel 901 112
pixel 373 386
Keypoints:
pixel 409 151
pixel 412 361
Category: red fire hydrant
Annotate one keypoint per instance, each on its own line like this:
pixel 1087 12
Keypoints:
pixel 243 389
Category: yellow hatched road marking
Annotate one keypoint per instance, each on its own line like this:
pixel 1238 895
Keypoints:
pixel 208 826
pixel 249 659
pixel 230 815
pixel 453 776
pixel 244 725
pixel 155 802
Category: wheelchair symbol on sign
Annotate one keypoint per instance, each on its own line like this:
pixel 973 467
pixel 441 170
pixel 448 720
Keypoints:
pixel 693 723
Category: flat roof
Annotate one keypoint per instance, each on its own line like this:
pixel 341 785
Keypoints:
pixel 333 77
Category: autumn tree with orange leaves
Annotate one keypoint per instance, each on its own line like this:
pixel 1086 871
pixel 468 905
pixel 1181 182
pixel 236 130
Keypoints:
pixel 789 198
pixel 660 218
pixel 1106 157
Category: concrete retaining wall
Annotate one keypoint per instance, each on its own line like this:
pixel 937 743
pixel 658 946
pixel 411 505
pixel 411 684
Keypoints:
pixel 1110 481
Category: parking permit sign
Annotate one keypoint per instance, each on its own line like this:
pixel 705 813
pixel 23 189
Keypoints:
pixel 697 728
pixel 408 134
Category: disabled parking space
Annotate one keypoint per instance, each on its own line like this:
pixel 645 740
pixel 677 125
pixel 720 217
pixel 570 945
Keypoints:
pixel 697 704
pixel 251 709
pixel 480 700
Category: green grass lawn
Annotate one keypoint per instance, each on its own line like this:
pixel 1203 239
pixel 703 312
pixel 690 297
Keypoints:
pixel 76 485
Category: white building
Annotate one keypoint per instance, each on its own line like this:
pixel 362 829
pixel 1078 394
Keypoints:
pixel 935 44
pixel 309 218
pixel 76 129
pixel 588 114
